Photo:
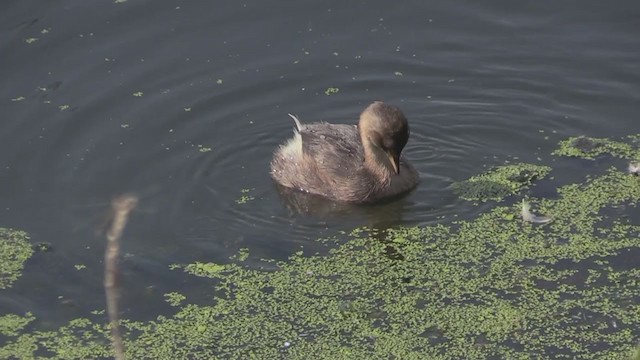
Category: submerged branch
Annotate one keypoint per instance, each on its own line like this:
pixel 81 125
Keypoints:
pixel 121 207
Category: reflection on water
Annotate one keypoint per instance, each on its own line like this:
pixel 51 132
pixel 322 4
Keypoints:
pixel 376 222
pixel 305 204
pixel 309 204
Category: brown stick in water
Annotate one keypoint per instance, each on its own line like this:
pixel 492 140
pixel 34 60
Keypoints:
pixel 121 207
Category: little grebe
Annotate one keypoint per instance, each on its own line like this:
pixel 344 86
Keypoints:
pixel 359 164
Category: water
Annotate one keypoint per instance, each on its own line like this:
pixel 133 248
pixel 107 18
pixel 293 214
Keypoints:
pixel 183 103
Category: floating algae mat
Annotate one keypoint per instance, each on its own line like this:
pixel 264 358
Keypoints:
pixel 494 287
pixel 590 148
pixel 500 182
pixel 15 249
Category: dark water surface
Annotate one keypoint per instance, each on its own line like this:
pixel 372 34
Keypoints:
pixel 183 102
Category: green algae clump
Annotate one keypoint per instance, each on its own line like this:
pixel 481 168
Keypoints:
pixel 500 182
pixel 590 148
pixel 11 324
pixel 14 251
pixel 211 270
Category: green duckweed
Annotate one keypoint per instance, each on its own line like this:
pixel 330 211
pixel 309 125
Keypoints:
pixel 491 287
pixel 590 148
pixel 500 182
pixel 14 251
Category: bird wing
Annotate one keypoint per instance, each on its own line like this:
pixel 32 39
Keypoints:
pixel 334 148
pixel 341 140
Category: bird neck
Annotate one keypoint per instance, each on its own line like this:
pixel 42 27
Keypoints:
pixel 376 160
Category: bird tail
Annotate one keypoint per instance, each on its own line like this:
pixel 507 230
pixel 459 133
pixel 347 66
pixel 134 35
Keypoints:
pixel 297 121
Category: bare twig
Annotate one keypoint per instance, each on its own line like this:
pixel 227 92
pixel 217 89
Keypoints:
pixel 121 207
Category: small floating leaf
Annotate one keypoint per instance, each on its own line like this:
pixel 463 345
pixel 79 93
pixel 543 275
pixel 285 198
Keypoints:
pixel 331 91
pixel 509 216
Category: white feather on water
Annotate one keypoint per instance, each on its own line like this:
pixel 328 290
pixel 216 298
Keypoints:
pixel 528 216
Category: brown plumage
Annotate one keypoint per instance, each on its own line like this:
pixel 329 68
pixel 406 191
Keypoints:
pixel 360 164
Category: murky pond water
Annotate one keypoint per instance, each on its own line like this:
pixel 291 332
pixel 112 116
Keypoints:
pixel 183 103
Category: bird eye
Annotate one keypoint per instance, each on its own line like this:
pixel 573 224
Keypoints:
pixel 389 142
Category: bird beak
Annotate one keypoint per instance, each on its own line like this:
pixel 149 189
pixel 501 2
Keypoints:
pixel 395 161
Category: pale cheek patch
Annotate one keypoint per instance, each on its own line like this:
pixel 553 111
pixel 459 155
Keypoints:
pixel 293 147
